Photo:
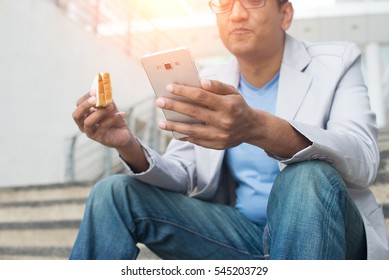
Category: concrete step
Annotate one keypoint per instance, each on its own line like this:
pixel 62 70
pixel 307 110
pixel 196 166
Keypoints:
pixel 42 222
pixel 55 253
pixel 44 193
pixel 63 211
pixel 381 192
pixel 36 244
pixel 28 238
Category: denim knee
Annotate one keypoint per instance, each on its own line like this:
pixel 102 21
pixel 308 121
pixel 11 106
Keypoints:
pixel 308 200
pixel 110 186
pixel 115 190
pixel 305 180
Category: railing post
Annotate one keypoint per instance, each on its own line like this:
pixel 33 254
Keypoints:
pixel 107 162
pixel 70 164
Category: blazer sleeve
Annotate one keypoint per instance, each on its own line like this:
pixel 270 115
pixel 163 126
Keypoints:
pixel 174 171
pixel 347 139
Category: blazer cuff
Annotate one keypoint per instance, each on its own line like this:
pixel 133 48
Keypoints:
pixel 309 153
pixel 312 152
pixel 150 157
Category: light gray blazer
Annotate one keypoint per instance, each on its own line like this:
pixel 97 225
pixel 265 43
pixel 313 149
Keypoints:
pixel 322 94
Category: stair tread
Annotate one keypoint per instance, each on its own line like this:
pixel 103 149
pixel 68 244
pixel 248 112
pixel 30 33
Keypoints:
pixel 42 203
pixel 59 224
pixel 35 252
pixel 38 238
pixel 56 252
pixel 23 194
pixel 42 213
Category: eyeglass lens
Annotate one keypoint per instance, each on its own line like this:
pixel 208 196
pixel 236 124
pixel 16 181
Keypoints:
pixel 221 6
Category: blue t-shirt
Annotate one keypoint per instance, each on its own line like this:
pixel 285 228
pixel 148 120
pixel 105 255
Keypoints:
pixel 252 169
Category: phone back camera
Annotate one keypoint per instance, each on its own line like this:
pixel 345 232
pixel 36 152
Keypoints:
pixel 168 66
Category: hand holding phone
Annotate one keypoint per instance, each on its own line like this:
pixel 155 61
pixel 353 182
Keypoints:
pixel 168 67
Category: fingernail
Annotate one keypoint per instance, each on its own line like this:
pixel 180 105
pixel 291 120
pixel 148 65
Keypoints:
pixel 92 100
pixel 160 102
pixel 123 114
pixel 169 88
pixel 162 125
pixel 206 83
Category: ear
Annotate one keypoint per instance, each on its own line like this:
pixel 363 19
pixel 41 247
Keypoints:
pixel 287 15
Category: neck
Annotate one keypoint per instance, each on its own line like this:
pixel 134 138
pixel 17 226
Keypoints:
pixel 258 72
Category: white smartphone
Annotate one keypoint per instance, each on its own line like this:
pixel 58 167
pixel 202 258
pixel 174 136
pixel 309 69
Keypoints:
pixel 167 67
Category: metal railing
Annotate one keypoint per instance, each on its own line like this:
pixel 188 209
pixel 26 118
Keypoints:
pixel 87 160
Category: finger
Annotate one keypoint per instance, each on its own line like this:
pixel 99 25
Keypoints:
pixel 98 132
pixel 200 134
pixel 85 97
pixel 218 87
pixel 206 143
pixel 116 120
pixel 83 110
pixel 208 96
pixel 93 122
pixel 182 128
pixel 191 110
pixel 196 95
pixel 195 131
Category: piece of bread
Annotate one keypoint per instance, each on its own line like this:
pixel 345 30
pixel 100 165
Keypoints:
pixel 102 86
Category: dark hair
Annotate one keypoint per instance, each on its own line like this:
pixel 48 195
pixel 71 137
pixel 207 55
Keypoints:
pixel 281 2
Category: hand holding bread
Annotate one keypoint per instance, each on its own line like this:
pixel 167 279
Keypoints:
pixel 98 117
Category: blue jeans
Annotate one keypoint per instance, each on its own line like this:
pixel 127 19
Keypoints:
pixel 310 216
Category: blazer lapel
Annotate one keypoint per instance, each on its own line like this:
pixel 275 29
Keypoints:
pixel 294 83
pixel 230 74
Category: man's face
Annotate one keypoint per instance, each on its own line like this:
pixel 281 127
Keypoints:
pixel 254 33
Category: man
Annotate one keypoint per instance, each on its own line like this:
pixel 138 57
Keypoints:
pixel 288 147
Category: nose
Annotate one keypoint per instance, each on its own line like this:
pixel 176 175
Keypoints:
pixel 238 12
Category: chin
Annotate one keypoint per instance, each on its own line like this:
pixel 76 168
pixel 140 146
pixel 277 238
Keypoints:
pixel 241 50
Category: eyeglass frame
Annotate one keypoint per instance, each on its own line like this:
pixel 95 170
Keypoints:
pixel 213 6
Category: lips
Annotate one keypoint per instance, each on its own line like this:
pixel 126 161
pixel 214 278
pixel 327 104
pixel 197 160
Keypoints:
pixel 240 30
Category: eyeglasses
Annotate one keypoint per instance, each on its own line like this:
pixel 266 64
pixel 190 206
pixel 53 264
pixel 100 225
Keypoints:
pixel 224 6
